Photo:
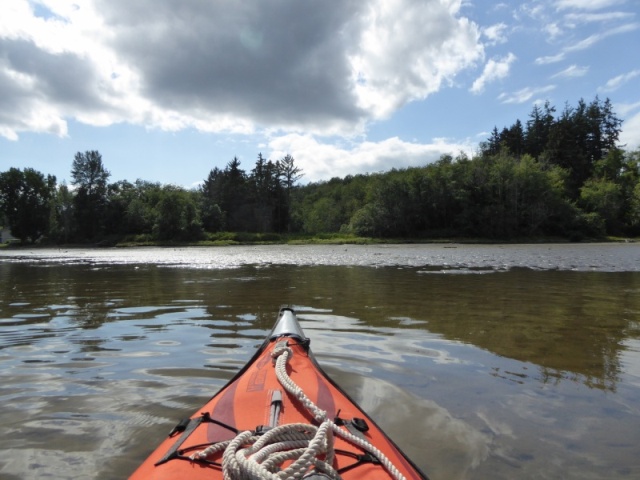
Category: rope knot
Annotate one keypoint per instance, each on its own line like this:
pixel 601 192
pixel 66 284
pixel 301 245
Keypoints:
pixel 280 349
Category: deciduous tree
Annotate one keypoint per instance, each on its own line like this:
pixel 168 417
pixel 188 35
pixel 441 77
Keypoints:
pixel 25 200
pixel 90 177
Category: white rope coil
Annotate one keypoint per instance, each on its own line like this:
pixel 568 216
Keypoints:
pixel 259 457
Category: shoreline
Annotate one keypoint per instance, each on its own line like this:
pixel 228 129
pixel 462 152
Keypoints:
pixel 329 239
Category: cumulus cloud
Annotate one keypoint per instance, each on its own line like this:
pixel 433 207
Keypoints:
pixel 407 50
pixel 325 67
pixel 325 160
pixel 495 34
pixel 493 70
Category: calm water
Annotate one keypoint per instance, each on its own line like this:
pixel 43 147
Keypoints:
pixel 482 362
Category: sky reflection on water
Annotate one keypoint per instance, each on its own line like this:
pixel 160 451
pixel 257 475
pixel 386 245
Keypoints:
pixel 438 258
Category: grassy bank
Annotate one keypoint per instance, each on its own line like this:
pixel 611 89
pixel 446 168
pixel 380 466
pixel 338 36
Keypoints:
pixel 222 239
pixel 244 238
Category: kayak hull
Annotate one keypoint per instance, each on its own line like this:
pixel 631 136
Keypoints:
pixel 254 400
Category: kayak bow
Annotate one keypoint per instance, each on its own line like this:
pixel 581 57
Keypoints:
pixel 281 416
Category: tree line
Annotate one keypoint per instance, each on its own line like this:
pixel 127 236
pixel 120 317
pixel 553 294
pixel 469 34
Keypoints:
pixel 561 176
pixel 555 175
pixel 36 208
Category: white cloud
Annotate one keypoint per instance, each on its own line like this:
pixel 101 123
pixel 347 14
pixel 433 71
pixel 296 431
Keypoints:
pixel 630 134
pixel 408 50
pixel 626 109
pixel 321 161
pixel 495 33
pixel 553 30
pixel 598 37
pixel 57 68
pixel 587 4
pixel 574 18
pixel 325 67
pixel 550 59
pixel 493 70
pixel 530 9
pixel 572 71
pixel 616 82
pixel 586 43
pixel 525 94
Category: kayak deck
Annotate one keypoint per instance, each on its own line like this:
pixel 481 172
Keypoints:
pixel 281 393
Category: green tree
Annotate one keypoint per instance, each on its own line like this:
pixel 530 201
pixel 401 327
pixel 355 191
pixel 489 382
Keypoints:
pixel 492 145
pixel 580 138
pixel 539 126
pixel 213 217
pixel 141 212
pixel 323 217
pixel 603 197
pixel 290 172
pixel 440 194
pixel 393 206
pixel 231 191
pixel 236 201
pixel 269 203
pixel 26 200
pixel 89 174
pixel 603 129
pixel 611 166
pixel 564 150
pixel 177 215
pixel 634 210
pixel 119 196
pixel 138 217
pixel 364 221
pixel 90 177
pixel 538 198
pixel 513 139
pixel 63 225
pixel 629 181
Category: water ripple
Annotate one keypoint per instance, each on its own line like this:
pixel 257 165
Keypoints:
pixel 432 258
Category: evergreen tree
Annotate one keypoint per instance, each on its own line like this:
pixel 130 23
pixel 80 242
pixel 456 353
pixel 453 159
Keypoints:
pixel 538 128
pixel 513 139
pixel 580 138
pixel 492 145
pixel 235 199
pixel 290 172
pixel 213 217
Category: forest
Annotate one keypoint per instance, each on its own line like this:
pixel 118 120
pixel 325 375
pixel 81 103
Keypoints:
pixel 558 175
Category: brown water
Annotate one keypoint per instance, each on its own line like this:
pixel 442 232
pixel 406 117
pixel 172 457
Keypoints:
pixel 482 362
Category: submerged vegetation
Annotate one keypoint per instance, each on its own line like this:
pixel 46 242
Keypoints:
pixel 555 176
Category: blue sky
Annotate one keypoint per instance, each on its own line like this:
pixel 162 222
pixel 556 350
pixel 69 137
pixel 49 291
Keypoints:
pixel 167 90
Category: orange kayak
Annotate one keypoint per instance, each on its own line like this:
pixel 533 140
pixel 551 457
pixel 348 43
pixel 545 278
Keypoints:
pixel 280 417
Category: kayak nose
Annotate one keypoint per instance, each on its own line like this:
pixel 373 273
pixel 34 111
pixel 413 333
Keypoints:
pixel 287 326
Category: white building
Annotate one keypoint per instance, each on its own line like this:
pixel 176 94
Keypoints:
pixel 5 235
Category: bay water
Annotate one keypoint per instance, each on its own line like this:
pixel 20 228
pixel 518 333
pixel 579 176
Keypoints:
pixel 480 361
